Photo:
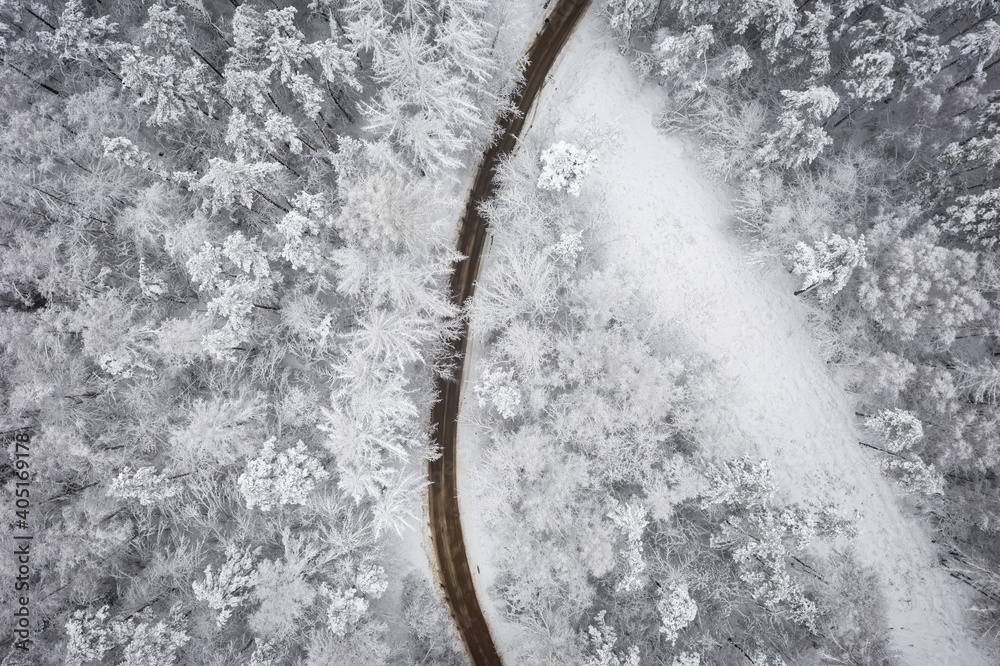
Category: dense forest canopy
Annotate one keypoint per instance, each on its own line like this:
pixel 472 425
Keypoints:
pixel 226 235
pixel 225 238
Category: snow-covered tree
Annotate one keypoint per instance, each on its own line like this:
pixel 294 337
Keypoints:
pixel 601 640
pixel 632 519
pixel 496 388
pixel 227 590
pixel 301 230
pixel 145 485
pixel 800 137
pixel 775 19
pixel 345 609
pixel 976 217
pixel 156 643
pixel 274 479
pixel 982 44
pixel 915 475
pixel 238 276
pixel 564 166
pixel 79 36
pixel 899 429
pixel 91 635
pixel 923 289
pixel 827 265
pixel 625 16
pixel 870 77
pixel 761 537
pixel 677 610
pixel 236 182
pixel 683 58
pixel 166 74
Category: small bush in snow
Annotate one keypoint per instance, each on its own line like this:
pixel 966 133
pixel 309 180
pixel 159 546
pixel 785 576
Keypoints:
pixel 563 166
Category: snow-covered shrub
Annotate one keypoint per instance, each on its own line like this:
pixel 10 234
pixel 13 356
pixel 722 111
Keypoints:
pixel 564 166
pixel 273 479
pixel 900 429
pixel 145 485
pixel 677 610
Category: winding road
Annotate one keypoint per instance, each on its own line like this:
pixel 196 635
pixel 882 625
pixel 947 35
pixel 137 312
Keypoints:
pixel 445 522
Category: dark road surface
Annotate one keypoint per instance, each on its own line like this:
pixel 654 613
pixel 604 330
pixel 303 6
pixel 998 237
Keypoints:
pixel 445 522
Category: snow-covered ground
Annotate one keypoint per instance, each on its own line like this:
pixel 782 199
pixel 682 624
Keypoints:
pixel 670 224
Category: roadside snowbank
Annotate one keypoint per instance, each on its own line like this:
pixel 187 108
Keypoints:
pixel 670 226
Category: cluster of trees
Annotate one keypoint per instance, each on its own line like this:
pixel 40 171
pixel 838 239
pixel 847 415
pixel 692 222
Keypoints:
pixel 225 240
pixel 641 551
pixel 862 138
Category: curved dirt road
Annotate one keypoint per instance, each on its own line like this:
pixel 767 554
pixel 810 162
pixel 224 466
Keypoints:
pixel 446 527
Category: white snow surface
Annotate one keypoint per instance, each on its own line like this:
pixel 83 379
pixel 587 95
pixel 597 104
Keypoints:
pixel 670 223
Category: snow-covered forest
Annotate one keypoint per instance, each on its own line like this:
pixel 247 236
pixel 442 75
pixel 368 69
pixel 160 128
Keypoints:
pixel 227 233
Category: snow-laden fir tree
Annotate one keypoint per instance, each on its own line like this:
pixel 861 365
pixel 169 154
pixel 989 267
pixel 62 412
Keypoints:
pixel 800 136
pixel 78 36
pixel 167 75
pixel 870 77
pixel 564 166
pixel 827 265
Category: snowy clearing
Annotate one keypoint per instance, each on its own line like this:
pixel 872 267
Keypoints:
pixel 671 226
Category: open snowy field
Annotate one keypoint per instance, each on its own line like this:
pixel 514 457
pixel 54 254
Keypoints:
pixel 670 225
